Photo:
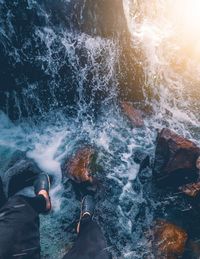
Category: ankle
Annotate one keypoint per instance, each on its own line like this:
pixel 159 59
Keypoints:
pixel 47 198
pixel 86 215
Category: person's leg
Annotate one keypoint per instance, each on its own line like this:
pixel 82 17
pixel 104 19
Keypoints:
pixel 38 203
pixel 19 223
pixel 90 243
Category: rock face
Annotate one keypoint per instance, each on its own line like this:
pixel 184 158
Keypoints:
pixel 102 18
pixel 169 240
pixel 134 115
pixel 78 168
pixel 175 159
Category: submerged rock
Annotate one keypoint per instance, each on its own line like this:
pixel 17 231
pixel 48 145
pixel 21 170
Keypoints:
pixel 175 159
pixel 78 168
pixel 134 115
pixel 191 189
pixel 169 240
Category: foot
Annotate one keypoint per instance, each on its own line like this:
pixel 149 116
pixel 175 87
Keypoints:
pixel 42 187
pixel 87 209
pixel 87 206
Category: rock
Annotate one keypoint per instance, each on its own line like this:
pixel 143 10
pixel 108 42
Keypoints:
pixel 17 156
pixel 169 240
pixel 175 159
pixel 191 189
pixel 78 168
pixel 21 174
pixel 194 247
pixel 134 115
pixel 103 18
pixel 144 160
pixel 2 195
pixel 140 156
pixel 198 163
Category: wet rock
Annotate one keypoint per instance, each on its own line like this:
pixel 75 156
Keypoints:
pixel 169 240
pixel 79 168
pixel 15 158
pixel 191 189
pixel 2 195
pixel 198 163
pixel 194 249
pixel 21 173
pixel 141 157
pixel 103 18
pixel 135 116
pixel 144 160
pixel 175 159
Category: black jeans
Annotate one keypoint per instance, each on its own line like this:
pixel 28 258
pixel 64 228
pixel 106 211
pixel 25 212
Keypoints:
pixel 20 235
pixel 19 225
pixel 90 243
pixel 38 203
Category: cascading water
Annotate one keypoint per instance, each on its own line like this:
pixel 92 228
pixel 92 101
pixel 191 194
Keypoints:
pixel 65 90
pixel 170 69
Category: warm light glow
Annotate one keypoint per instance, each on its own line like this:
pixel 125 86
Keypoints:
pixel 187 13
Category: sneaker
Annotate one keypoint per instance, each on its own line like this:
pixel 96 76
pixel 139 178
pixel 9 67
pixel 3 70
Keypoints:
pixel 42 183
pixel 87 209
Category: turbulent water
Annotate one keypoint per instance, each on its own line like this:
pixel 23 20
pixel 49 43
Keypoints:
pixel 70 95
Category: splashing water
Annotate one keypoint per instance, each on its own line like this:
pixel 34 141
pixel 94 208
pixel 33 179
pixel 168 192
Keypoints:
pixel 166 63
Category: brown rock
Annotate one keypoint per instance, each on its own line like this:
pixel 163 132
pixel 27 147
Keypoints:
pixel 175 158
pixel 134 115
pixel 191 189
pixel 169 240
pixel 78 166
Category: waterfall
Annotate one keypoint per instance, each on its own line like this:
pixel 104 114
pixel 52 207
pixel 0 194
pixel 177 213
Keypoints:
pixel 170 69
pixel 61 82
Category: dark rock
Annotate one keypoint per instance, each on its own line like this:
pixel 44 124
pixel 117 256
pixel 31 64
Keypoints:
pixel 134 115
pixel 21 173
pixel 194 250
pixel 198 163
pixel 175 159
pixel 15 158
pixel 144 160
pixel 2 194
pixel 103 18
pixel 19 73
pixel 169 240
pixel 79 168
pixel 140 156
pixel 191 189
